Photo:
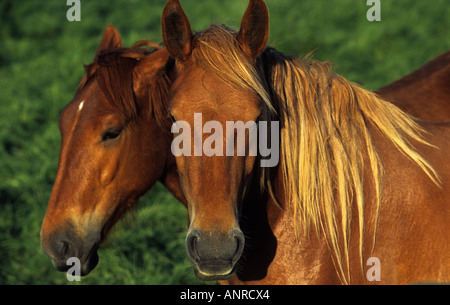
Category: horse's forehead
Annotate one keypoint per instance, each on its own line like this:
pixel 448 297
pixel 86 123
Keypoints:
pixel 81 105
pixel 197 91
pixel 91 99
pixel 85 109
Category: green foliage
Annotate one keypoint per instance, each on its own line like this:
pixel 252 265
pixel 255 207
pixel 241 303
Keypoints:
pixel 41 63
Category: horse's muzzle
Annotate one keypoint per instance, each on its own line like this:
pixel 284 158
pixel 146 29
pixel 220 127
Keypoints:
pixel 64 245
pixel 214 254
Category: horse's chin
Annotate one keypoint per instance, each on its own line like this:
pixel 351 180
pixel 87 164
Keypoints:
pixel 86 266
pixel 213 276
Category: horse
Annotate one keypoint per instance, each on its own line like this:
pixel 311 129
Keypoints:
pixel 115 146
pixel 104 84
pixel 425 92
pixel 358 180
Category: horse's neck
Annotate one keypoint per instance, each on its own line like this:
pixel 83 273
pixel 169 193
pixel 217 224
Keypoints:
pixel 274 255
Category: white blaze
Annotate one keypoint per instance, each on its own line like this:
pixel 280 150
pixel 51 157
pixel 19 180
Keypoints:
pixel 81 106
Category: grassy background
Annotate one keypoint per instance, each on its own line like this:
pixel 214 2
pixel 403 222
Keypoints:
pixel 41 63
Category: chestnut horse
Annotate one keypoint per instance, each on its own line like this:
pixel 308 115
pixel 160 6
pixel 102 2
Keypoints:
pixel 60 239
pixel 357 179
pixel 115 146
pixel 424 93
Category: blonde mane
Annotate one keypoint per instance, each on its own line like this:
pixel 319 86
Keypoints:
pixel 217 50
pixel 326 143
pixel 325 137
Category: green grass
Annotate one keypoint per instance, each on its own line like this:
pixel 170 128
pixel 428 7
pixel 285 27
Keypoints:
pixel 41 63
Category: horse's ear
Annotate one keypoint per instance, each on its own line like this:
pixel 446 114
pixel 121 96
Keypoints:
pixel 176 30
pixel 254 31
pixel 111 39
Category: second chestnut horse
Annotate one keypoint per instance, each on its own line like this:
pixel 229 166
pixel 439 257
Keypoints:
pixel 358 178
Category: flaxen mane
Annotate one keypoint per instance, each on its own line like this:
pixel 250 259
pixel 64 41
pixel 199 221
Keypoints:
pixel 325 136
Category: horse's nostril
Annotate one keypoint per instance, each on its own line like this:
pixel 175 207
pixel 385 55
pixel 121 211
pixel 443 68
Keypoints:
pixel 64 248
pixel 240 241
pixel 192 245
pixel 236 239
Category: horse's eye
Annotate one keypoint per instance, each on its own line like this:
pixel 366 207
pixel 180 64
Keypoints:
pixel 111 134
pixel 172 118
